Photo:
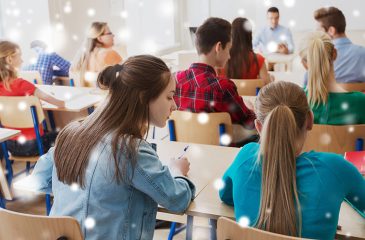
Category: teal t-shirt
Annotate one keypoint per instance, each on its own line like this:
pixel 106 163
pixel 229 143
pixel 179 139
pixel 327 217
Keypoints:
pixel 341 109
pixel 324 180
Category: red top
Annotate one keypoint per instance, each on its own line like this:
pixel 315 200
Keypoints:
pixel 199 89
pixel 20 87
pixel 254 70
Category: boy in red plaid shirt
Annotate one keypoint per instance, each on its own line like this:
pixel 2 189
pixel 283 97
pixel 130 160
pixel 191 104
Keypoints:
pixel 199 89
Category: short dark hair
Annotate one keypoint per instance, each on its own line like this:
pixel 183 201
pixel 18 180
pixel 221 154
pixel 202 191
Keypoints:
pixel 331 17
pixel 273 10
pixel 212 31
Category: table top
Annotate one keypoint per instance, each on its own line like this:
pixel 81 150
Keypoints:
pixel 279 58
pixel 6 134
pixel 77 98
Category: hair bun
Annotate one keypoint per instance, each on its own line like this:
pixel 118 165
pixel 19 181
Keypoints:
pixel 108 76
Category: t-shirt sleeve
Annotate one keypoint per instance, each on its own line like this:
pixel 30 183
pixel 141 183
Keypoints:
pixel 23 88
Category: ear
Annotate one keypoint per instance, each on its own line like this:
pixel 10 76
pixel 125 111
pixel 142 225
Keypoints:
pixel 334 54
pixel 99 39
pixel 332 31
pixel 304 63
pixel 310 120
pixel 8 60
pixel 218 47
pixel 258 126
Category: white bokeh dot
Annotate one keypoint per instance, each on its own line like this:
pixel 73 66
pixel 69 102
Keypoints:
pixel 203 118
pixel 244 221
pixel 74 187
pixel 91 12
pixel 356 198
pixel 356 13
pixel 345 106
pixel 225 139
pixel 67 8
pixel 67 95
pixel 124 14
pixel 22 106
pixel 328 215
pixel 22 139
pixel 272 47
pixel 325 139
pixel 267 3
pixel 289 3
pixel 219 184
pixel 241 12
pixel 351 129
pixel 292 23
pixel 89 223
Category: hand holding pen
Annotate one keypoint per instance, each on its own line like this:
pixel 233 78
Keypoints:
pixel 180 166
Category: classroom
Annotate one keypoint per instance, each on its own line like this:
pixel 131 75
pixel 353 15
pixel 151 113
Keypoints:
pixel 182 119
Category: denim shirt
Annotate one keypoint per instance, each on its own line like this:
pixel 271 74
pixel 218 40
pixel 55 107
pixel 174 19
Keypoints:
pixel 119 211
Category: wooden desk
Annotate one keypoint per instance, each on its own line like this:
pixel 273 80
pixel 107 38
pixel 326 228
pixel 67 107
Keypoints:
pixel 77 98
pixel 278 58
pixel 6 134
pixel 294 77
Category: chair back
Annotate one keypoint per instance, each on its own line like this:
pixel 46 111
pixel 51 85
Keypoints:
pixel 33 227
pixel 228 229
pixel 351 87
pixel 15 111
pixel 203 128
pixel 31 76
pixel 5 191
pixel 185 59
pixel 337 139
pixel 248 87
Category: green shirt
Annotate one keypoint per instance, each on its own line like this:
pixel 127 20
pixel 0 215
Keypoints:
pixel 341 109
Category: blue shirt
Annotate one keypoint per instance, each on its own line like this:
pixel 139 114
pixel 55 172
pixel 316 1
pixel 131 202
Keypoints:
pixel 324 180
pixel 350 61
pixel 120 211
pixel 278 35
pixel 46 64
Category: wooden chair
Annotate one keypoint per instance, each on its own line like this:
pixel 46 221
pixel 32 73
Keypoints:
pixel 248 87
pixel 31 76
pixel 337 139
pixel 32 227
pixel 186 127
pixel 359 87
pixel 23 112
pixel 5 192
pixel 228 229
pixel 358 159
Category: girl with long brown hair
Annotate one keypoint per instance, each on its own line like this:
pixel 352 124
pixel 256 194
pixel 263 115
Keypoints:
pixel 105 173
pixel 12 85
pixel 244 63
pixel 95 55
pixel 275 186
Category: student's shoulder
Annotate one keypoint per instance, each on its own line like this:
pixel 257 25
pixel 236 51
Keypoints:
pixel 331 160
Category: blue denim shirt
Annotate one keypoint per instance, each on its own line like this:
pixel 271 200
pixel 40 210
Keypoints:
pixel 120 211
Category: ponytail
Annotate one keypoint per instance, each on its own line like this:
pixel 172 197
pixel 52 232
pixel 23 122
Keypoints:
pixel 320 66
pixel 279 204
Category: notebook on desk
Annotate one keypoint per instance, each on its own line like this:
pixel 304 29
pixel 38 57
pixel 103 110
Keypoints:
pixel 358 159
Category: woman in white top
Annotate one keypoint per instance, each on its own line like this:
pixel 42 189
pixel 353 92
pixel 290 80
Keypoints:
pixel 95 55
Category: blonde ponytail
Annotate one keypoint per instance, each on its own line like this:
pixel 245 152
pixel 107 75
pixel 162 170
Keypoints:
pixel 282 109
pixel 279 208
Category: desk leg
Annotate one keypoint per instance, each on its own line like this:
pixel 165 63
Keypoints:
pixel 8 166
pixel 213 229
pixel 51 120
pixel 189 228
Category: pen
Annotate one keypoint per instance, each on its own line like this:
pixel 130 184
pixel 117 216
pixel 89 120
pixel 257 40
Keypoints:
pixel 184 151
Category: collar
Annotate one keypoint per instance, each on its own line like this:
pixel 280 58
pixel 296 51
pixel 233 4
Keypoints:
pixel 341 41
pixel 203 67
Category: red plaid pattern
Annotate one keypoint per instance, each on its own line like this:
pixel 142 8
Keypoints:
pixel 199 89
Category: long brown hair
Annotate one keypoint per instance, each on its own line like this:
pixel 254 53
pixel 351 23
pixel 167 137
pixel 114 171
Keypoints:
pixel 125 115
pixel 7 72
pixel 277 104
pixel 318 51
pixel 82 58
pixel 240 62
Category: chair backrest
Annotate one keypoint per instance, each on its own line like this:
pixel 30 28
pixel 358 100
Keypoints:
pixel 201 128
pixel 32 227
pixel 337 139
pixel 360 87
pixel 5 191
pixel 248 87
pixel 15 111
pixel 31 76
pixel 358 159
pixel 185 59
pixel 228 229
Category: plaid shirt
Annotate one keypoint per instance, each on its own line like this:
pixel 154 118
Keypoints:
pixel 45 65
pixel 199 89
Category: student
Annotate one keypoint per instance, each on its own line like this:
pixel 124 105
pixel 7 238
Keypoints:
pixel 350 61
pixel 244 63
pixel 11 85
pixel 199 89
pixel 277 187
pixel 329 102
pixel 96 54
pixel 275 34
pixel 47 62
pixel 115 179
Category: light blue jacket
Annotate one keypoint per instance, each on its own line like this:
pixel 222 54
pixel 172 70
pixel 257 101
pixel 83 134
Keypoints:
pixel 119 211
